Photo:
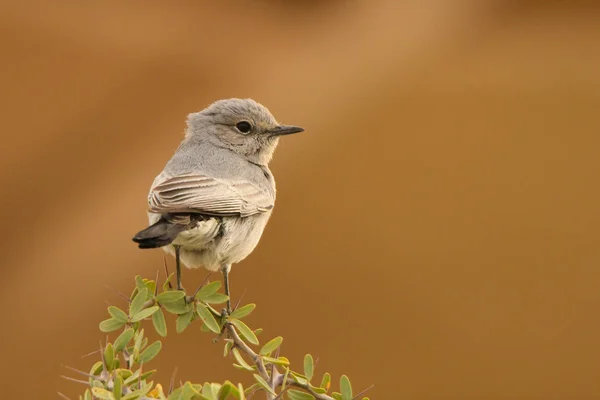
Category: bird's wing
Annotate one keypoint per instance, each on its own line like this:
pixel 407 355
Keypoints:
pixel 204 195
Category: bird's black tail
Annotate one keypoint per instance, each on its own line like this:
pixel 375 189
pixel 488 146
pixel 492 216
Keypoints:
pixel 159 234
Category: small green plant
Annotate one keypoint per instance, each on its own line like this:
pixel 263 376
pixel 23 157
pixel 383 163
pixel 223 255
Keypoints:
pixel 122 373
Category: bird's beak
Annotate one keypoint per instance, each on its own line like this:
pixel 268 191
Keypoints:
pixel 285 130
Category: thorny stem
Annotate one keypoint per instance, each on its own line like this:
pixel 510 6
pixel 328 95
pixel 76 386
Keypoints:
pixel 277 378
pixel 240 344
pixel 274 378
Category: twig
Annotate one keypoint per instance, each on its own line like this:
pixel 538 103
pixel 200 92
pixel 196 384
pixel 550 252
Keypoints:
pixel 240 344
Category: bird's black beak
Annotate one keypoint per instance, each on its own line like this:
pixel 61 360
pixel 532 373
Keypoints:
pixel 285 130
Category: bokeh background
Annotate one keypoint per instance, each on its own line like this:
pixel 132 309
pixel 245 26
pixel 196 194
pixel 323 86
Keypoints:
pixel 437 225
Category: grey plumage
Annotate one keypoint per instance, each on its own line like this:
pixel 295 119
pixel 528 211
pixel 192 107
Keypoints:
pixel 216 194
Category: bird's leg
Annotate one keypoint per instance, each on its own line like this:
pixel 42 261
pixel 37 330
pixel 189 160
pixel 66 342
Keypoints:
pixel 178 266
pixel 225 269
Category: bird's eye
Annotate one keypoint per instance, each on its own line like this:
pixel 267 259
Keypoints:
pixel 243 126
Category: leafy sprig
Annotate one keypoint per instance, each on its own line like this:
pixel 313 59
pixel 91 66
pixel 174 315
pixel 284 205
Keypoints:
pixel 121 372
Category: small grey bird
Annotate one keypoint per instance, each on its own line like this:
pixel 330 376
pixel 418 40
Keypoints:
pixel 210 204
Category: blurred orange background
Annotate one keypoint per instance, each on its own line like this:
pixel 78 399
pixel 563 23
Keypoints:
pixel 437 225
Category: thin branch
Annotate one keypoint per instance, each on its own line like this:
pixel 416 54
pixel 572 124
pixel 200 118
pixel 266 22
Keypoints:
pixel 240 344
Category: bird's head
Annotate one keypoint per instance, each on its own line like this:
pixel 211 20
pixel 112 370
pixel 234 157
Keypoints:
pixel 241 125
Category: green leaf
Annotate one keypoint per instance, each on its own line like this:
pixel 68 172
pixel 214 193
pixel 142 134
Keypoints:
pixel 210 391
pixel 326 381
pixel 124 373
pixel 346 388
pixel 118 387
pixel 188 391
pixel 228 389
pixel 336 395
pixel 87 395
pixel 208 318
pixel 138 302
pixel 183 321
pixel 216 298
pixel 98 384
pixel 238 357
pixel 278 361
pixel 132 396
pixel 102 394
pixel 151 285
pixel 299 378
pixel 170 296
pixel 318 389
pixel 243 311
pixel 95 370
pixel 245 330
pixel 271 346
pixel 117 314
pixel 285 379
pixel 176 394
pixel 207 290
pixel 147 374
pixel 298 395
pixel 138 339
pixel 177 307
pixel 242 394
pixel 110 325
pixel 264 384
pixel 139 283
pixel 150 352
pixel 251 389
pixel 227 348
pixel 145 313
pixel 109 356
pixel 133 377
pixel 309 366
pixel 123 339
pixel 166 284
pixel 158 320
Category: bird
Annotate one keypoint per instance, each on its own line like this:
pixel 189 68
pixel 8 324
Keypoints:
pixel 210 204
